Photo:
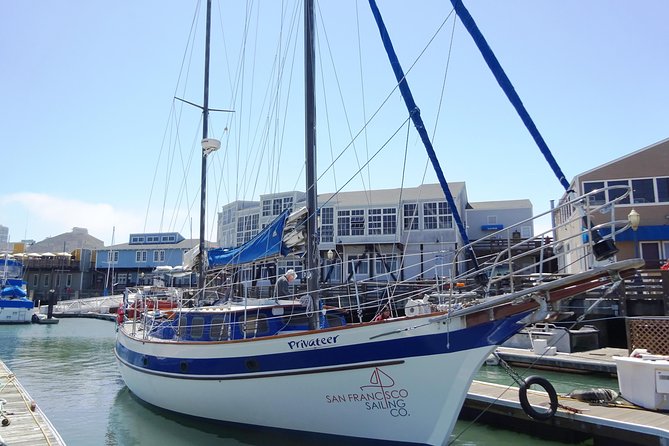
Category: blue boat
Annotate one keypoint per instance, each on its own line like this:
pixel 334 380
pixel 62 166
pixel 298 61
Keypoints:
pixel 15 307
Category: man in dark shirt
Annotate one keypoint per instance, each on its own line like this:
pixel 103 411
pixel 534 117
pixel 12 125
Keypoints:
pixel 283 282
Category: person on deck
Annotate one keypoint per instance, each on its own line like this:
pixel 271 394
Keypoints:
pixel 383 315
pixel 283 282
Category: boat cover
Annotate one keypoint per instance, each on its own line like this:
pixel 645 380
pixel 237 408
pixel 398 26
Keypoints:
pixel 268 243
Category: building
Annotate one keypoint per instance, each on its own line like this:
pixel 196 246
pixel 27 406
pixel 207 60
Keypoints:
pixel 147 259
pixel 4 238
pixel 389 234
pixel 646 172
pixel 62 264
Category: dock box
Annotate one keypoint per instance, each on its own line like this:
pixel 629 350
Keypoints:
pixel 644 381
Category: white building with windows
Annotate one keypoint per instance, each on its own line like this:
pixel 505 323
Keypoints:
pixel 388 234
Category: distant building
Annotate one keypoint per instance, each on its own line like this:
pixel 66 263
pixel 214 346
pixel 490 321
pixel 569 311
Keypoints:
pixel 63 263
pixel 145 260
pixel 4 239
pixel 389 234
pixel 646 171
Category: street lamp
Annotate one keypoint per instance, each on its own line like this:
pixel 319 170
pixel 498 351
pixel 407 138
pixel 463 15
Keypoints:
pixel 634 219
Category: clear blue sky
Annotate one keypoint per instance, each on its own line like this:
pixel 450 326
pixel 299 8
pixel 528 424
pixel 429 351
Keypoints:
pixel 87 92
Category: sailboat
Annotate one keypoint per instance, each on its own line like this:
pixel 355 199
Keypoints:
pixel 307 366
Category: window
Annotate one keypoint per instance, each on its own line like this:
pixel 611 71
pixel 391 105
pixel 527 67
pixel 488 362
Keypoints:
pixel 140 256
pixel 359 263
pixel 255 325
pixel 437 216
pixel 47 277
pixel 642 191
pixel 344 222
pixel 197 327
pixel 276 206
pixel 597 198
pixel 159 256
pixel 382 221
pixel 662 189
pixel 327 225
pixel 266 208
pixel 152 239
pixel 136 239
pixel 410 216
pixel 492 219
pixel 226 216
pixel 112 256
pixel 615 193
pixel 389 221
pixel 287 202
pixel 358 222
pixel 385 265
pixel 374 221
pixel 35 280
pixel 247 227
pixel 68 280
pixel 218 330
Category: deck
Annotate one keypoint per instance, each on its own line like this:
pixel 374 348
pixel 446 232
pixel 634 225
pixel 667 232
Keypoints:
pixel 593 361
pixel 23 423
pixel 621 425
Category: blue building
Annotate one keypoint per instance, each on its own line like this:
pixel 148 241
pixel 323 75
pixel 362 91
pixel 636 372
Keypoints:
pixel 147 259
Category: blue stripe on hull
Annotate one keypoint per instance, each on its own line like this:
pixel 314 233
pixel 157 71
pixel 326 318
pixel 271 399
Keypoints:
pixel 492 333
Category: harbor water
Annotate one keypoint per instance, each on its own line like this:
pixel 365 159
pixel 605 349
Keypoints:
pixel 69 369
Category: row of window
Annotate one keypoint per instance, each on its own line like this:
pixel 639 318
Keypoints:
pixel 140 256
pixel 383 221
pixel 153 239
pixel 276 206
pixel 247 227
pixel 644 190
pixel 46 280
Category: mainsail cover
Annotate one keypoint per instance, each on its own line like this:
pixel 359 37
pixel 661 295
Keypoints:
pixel 268 243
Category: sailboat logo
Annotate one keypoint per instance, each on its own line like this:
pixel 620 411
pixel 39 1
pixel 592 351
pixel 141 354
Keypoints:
pixel 380 380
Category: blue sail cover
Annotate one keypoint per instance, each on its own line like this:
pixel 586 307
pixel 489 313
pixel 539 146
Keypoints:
pixel 268 243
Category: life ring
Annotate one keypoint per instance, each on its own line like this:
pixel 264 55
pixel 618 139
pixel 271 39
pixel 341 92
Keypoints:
pixel 527 407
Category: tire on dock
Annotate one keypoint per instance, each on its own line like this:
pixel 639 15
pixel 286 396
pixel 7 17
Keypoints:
pixel 533 413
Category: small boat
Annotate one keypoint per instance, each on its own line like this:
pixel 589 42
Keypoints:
pixel 15 307
pixel 565 340
pixel 39 318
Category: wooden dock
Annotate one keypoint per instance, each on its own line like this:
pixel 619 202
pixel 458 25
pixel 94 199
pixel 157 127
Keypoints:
pixel 22 422
pixel 621 425
pixel 594 361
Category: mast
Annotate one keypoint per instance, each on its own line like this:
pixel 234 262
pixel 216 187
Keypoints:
pixel 312 256
pixel 205 128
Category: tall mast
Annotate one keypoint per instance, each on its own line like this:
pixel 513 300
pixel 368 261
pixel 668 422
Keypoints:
pixel 205 128
pixel 313 262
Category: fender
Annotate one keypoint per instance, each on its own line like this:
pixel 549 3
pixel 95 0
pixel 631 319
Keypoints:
pixel 527 407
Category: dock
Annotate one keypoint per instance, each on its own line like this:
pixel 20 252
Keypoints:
pixel 626 424
pixel 22 421
pixel 593 361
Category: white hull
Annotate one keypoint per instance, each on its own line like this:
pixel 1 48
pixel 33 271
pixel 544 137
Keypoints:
pixel 413 399
pixel 14 315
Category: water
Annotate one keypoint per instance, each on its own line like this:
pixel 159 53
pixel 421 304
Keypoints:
pixel 70 370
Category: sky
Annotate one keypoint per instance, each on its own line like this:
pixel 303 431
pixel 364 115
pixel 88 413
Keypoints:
pixel 91 136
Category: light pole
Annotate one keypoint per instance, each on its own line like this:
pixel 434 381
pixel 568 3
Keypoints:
pixel 634 219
